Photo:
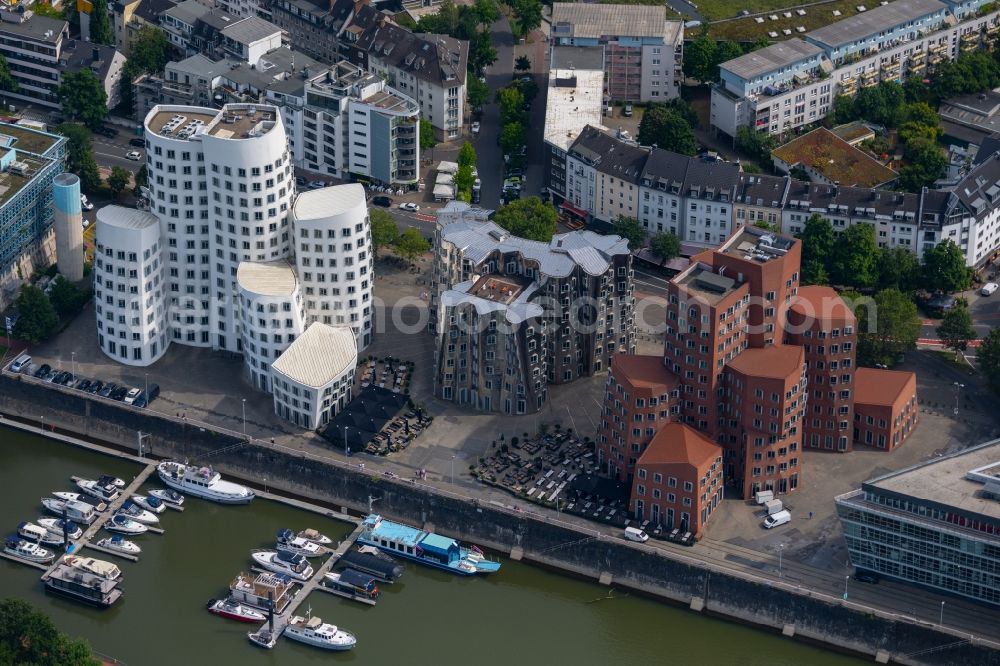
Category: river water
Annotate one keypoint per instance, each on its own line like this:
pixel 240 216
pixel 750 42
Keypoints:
pixel 521 615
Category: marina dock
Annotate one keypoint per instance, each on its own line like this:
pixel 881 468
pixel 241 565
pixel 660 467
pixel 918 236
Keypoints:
pixel 37 565
pixel 92 529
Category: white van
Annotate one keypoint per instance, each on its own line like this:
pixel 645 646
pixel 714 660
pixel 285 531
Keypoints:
pixel 776 519
pixel 20 362
pixel 989 288
pixel 635 534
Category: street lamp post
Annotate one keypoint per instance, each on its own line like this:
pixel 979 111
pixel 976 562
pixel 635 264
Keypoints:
pixel 941 619
pixel 347 447
pixel 146 375
pixel 453 470
pixel 781 549
pixel 244 417
pixel 72 356
pixel 846 579
pixel 958 391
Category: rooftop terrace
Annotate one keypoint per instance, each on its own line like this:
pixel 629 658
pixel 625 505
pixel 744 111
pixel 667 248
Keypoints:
pixel 499 288
pixel 29 140
pixel 702 282
pixel 13 181
pixel 234 121
pixel 755 244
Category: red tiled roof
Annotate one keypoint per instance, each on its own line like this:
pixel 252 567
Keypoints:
pixel 643 371
pixel 678 443
pixel 773 361
pixel 873 386
pixel 821 303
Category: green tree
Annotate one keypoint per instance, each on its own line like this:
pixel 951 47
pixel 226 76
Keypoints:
pixel 665 246
pixel 879 104
pixel 956 330
pixel 681 106
pixel 478 93
pixel 725 50
pixel 410 244
pixel 100 24
pixel 667 129
pixel 83 98
pixel 630 229
pixel 427 140
pixel 150 54
pixel 529 218
pixel 384 229
pixel 756 144
pixel 699 59
pixel 511 101
pixel 80 156
pixel 528 14
pixel 482 53
pixel 886 330
pixel 915 90
pixel 898 268
pixel 28 636
pixel 945 269
pixel 141 179
pixel 67 298
pixel 817 246
pixel 842 110
pixel 118 180
pixel 7 80
pixel 36 317
pixel 855 257
pixel 467 155
pixel 522 64
pixel 512 137
pixel 463 182
pixel 486 11
pixel 988 357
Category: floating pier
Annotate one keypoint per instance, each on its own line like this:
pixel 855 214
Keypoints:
pixel 12 558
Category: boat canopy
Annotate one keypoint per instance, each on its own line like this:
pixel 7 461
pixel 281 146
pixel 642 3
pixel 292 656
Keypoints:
pixel 285 534
pixel 357 579
pixel 117 538
pixel 290 558
pixel 435 543
pixel 153 501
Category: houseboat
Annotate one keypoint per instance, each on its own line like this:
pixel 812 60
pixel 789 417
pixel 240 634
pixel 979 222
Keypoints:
pixel 427 548
pixel 353 585
pixel 255 590
pixel 78 585
pixel 372 560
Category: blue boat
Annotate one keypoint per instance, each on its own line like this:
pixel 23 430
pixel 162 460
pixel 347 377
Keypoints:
pixel 427 548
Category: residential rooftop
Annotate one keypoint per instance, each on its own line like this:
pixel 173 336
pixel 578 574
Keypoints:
pixel 328 201
pixel 771 58
pixel 874 21
pixel 250 30
pixel 677 443
pixel 701 281
pixel 30 140
pixel 273 278
pixel 576 57
pixel 37 28
pixel 771 362
pixel 853 131
pixel 755 244
pixel 233 121
pixel 643 371
pixel 499 288
pixel 575 101
pixel 876 386
pixel 12 182
pixel 822 303
pixel 126 218
pixel 318 356
pixel 835 159
pixel 593 21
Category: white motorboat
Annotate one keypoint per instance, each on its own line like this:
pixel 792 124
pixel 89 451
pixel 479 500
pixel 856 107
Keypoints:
pixel 231 609
pixel 93 566
pixel 149 503
pixel 135 512
pixel 168 495
pixel 39 534
pixel 313 631
pixel 309 534
pixel 124 525
pixel 203 482
pixel 71 509
pixel 26 550
pixel 290 564
pixel 263 638
pixel 66 496
pixel 118 543
pixel 287 541
pixel 55 526
pixel 108 480
pixel 107 493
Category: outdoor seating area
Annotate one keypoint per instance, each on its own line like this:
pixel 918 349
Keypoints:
pixel 389 373
pixel 375 422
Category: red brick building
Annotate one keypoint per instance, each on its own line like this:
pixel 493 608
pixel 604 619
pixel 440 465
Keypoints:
pixel 885 407
pixel 821 323
pixel 640 396
pixel 678 481
pixel 765 401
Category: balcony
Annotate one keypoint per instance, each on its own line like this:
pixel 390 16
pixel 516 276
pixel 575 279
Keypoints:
pixel 938 48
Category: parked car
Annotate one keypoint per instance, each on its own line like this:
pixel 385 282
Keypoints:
pixel 300 181
pixel 95 386
pixel 412 207
pixel 43 370
pixel 316 184
pixel 119 393
pixel 107 390
pixel 132 395
pixel 20 362
pixel 83 385
pixel 475 127
pixel 152 392
pixel 85 202
pixel 989 288
pixel 137 142
pixel 109 132
pixel 525 79
pixel 863 576
pixel 52 376
pixel 627 111
pixel 134 155
pixel 384 202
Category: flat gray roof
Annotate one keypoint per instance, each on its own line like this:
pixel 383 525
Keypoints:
pixel 594 20
pixel 943 480
pixel 250 29
pixel 577 57
pixel 37 28
pixel 874 21
pixel 771 58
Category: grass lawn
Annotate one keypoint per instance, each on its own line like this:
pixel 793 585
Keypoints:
pixel 948 357
pixel 747 29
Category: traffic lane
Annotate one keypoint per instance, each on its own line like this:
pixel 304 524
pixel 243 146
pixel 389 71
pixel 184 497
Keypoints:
pixel 111 153
pixel 490 158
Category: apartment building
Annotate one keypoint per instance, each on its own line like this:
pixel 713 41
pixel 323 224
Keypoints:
pixel 194 28
pixel 760 198
pixel 512 315
pixel 642 51
pixel 822 324
pixel 129 17
pixel 886 409
pixel 678 481
pixel 790 84
pixel 935 524
pixel 641 395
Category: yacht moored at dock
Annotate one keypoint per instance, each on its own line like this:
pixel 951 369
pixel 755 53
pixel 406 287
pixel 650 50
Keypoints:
pixel 136 513
pixel 26 550
pixel 168 495
pixel 313 631
pixel 66 496
pixel 124 525
pixel 352 584
pixel 309 534
pixel 424 547
pixel 234 610
pixel 150 503
pixel 283 562
pixel 55 527
pixel 203 482
pixel 372 560
pixel 288 542
pixel 105 493
pixel 81 586
pixel 39 534
pixel 263 638
pixel 79 512
pixel 107 479
pixel 118 543
pixel 95 567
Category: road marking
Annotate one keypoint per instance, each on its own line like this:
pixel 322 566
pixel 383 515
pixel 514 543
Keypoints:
pixel 934 342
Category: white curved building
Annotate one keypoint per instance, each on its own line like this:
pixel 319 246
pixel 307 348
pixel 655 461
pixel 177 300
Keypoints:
pixel 129 286
pixel 270 314
pixel 334 259
pixel 313 378
pixel 221 184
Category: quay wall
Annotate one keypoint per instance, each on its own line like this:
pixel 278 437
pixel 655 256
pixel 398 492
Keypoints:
pixel 673 575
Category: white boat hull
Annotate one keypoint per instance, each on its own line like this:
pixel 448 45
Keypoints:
pixel 123 546
pixel 54 528
pixel 141 516
pixel 205 492
pixel 265 559
pixel 131 527
pixel 161 495
pixel 39 555
pixel 143 502
pixel 339 641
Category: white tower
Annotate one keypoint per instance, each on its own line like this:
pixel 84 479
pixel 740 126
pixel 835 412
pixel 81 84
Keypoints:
pixel 67 222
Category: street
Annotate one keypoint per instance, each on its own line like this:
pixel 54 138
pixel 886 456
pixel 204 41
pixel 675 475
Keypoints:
pixel 488 153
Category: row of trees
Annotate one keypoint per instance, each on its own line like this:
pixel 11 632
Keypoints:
pixel 28 636
pixel 39 313
pixel 409 244
pixel 149 55
pixel 670 126
pixel 513 101
pixel 853 258
pixel 465 177
pixel 663 245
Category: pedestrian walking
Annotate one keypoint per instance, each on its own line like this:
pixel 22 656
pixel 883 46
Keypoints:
pixel 810 515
